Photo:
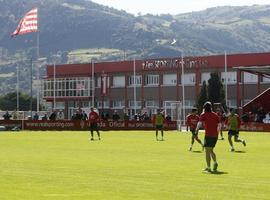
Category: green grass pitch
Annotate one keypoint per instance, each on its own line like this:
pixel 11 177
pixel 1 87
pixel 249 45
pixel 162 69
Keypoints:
pixel 54 165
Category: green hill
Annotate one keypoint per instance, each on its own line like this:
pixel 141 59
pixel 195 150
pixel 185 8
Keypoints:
pixel 80 30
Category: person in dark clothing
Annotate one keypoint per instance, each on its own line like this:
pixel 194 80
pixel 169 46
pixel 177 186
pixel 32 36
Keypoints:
pixel 115 116
pixel 7 116
pixel 53 115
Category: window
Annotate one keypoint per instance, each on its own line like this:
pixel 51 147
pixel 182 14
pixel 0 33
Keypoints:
pixel 138 80
pixel 152 79
pixel 266 79
pixel 62 87
pixel 169 79
pixel 189 79
pixel 98 82
pixel 106 104
pixel 137 103
pixel 118 104
pixel 231 77
pixel 151 104
pixel 250 78
pixel 231 103
pixel 119 81
pixel 189 103
pixel 205 77
pixel 60 105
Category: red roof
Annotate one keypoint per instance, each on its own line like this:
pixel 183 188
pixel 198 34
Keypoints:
pixel 214 61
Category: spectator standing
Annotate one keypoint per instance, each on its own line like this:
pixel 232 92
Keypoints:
pixel 45 117
pixel 7 116
pixel 115 116
pixel 84 116
pixel 36 116
pixel 53 115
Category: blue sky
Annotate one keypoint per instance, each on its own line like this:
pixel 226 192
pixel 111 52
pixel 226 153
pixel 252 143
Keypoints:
pixel 173 6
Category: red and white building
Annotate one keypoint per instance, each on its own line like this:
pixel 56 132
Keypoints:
pixel 111 86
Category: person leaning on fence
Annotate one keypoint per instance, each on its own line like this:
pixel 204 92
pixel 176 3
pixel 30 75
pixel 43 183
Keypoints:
pixel 93 119
pixel 7 116
pixel 84 116
pixel 44 117
pixel 36 116
pixel 53 115
pixel 159 122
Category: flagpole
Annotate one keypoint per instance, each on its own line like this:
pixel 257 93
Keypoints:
pixel 183 89
pixel 226 83
pixel 54 84
pixel 93 85
pixel 134 85
pixel 38 78
pixel 17 87
pixel 31 88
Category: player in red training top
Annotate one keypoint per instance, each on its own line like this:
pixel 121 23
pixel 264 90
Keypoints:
pixel 192 121
pixel 211 124
pixel 94 118
pixel 221 119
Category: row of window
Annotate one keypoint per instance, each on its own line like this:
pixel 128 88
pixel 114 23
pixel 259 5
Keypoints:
pixel 137 104
pixel 189 79
pixel 120 104
pixel 84 86
pixel 68 87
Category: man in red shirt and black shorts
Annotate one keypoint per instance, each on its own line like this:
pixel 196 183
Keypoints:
pixel 211 123
pixel 94 118
pixel 192 121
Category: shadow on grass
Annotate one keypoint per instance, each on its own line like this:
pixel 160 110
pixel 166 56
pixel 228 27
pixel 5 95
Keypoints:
pixel 160 140
pixel 197 151
pixel 239 152
pixel 219 173
pixel 216 173
pixel 94 140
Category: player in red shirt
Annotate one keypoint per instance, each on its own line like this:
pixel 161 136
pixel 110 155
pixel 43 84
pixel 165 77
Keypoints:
pixel 192 121
pixel 93 119
pixel 211 124
pixel 221 119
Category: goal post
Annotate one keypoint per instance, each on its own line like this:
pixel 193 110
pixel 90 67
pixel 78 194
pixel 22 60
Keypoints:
pixel 174 110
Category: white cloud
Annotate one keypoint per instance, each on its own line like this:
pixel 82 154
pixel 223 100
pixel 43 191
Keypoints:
pixel 173 6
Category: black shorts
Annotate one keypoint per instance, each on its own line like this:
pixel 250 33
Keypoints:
pixel 93 127
pixel 194 132
pixel 210 141
pixel 233 133
pixel 159 127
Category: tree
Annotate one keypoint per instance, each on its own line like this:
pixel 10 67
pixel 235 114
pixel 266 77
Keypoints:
pixel 216 92
pixel 9 102
pixel 203 97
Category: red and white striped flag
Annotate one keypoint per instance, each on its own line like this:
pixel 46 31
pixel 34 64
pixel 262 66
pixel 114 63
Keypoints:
pixel 104 84
pixel 28 24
